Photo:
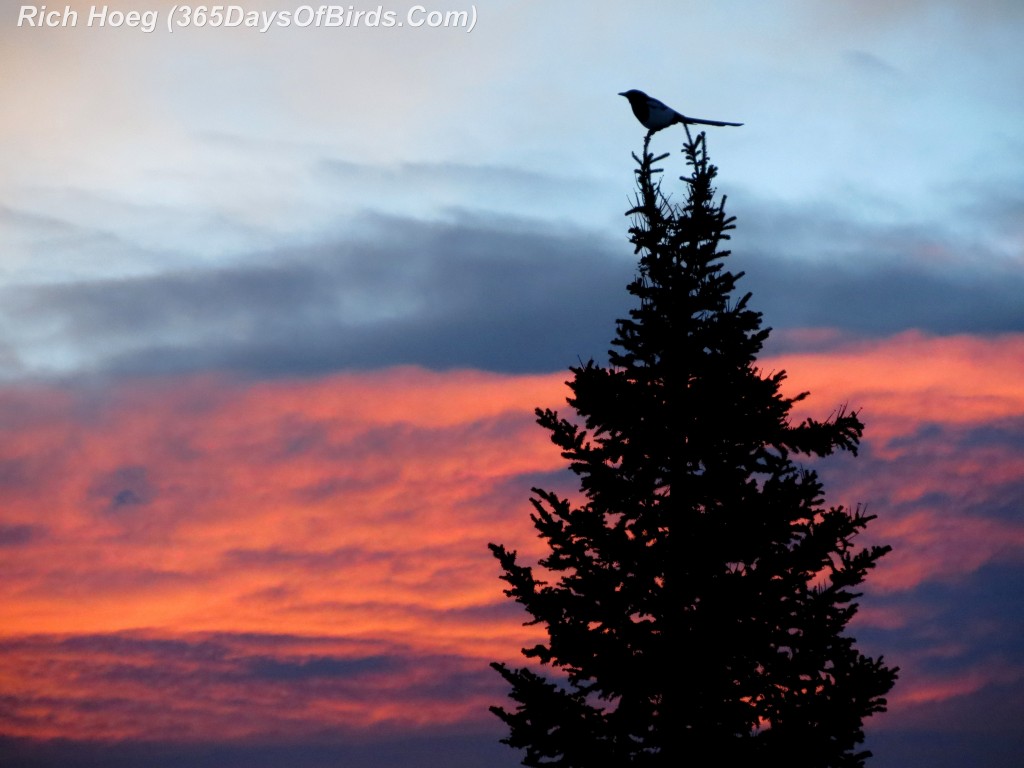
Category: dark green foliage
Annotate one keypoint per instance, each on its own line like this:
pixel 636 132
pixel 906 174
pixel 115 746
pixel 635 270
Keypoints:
pixel 695 601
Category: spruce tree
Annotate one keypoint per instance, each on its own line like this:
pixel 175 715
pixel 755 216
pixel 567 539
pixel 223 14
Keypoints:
pixel 696 594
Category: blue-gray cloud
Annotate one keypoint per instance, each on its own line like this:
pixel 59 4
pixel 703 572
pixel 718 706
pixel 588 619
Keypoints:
pixel 295 670
pixel 467 749
pixel 507 294
pixel 957 635
pixel 19 535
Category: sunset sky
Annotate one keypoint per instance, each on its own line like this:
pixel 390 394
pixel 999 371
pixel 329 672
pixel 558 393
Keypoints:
pixel 276 308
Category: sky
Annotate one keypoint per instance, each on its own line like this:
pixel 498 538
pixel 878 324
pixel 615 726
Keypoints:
pixel 276 308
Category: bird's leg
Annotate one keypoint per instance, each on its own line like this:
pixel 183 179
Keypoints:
pixel 689 138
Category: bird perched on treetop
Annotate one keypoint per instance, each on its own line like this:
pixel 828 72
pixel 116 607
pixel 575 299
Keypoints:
pixel 654 115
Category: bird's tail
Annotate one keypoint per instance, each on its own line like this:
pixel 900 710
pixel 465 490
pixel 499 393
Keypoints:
pixel 698 121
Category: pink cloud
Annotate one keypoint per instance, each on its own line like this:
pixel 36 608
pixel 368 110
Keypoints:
pixel 317 528
pixel 941 467
pixel 171 506
pixel 910 379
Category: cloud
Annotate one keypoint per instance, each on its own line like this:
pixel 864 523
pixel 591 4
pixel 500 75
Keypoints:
pixel 962 666
pixel 442 295
pixel 318 667
pixel 18 535
pixel 869 64
pixel 212 551
pixel 169 504
pixel 875 267
pixel 228 687
pixel 124 487
pixel 477 290
pixel 944 423
pixel 436 748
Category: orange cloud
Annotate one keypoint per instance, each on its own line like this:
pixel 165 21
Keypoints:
pixel 179 506
pixel 941 463
pixel 172 549
pixel 911 379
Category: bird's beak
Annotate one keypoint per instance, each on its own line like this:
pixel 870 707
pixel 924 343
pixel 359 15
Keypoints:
pixel 622 94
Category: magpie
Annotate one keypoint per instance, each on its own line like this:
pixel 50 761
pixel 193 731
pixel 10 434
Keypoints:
pixel 654 115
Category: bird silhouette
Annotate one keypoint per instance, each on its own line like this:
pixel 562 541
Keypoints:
pixel 654 115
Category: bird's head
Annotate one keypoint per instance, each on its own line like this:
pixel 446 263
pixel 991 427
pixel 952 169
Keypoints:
pixel 633 95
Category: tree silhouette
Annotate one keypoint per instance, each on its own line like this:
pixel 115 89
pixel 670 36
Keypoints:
pixel 696 593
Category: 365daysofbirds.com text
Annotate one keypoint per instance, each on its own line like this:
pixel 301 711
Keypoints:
pixel 184 16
